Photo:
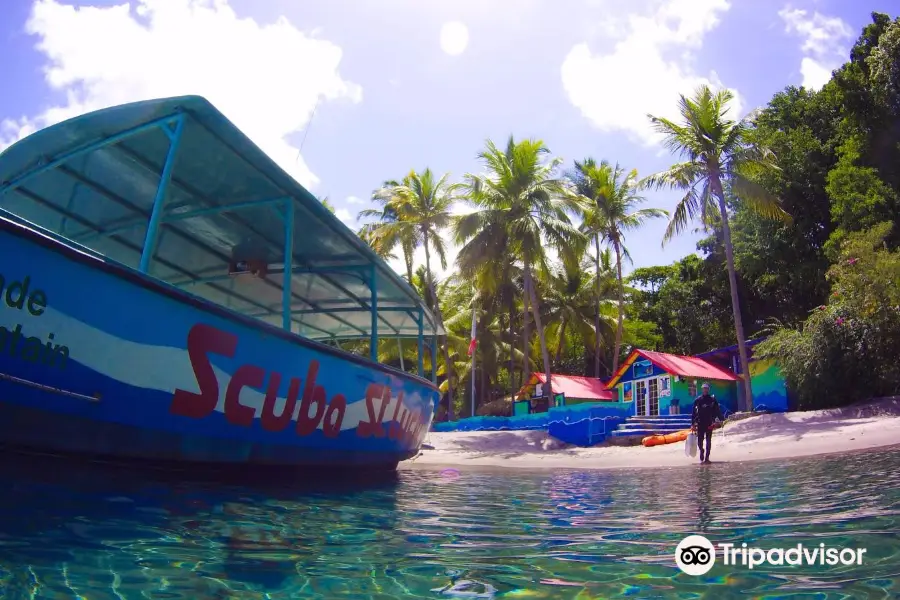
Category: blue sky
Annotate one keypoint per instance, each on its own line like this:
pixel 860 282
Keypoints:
pixel 580 75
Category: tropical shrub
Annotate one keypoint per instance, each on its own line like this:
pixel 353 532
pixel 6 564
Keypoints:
pixel 847 349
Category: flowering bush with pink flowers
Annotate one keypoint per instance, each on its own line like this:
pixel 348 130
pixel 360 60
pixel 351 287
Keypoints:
pixel 848 349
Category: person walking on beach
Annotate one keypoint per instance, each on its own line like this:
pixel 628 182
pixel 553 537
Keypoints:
pixel 706 412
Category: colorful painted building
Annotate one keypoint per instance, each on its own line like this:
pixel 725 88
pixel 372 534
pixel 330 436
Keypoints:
pixel 586 410
pixel 662 384
pixel 768 385
pixel 568 390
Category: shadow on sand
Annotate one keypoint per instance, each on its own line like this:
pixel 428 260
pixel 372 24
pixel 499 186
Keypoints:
pixel 781 424
pixel 507 444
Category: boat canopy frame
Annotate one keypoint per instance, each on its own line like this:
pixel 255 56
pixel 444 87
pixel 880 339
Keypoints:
pixel 174 190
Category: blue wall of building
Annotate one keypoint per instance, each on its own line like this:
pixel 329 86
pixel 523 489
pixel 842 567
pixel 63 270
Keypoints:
pixel 581 425
pixel 587 424
pixel 517 423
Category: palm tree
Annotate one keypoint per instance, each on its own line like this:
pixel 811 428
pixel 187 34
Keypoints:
pixel 522 196
pixel 388 230
pixel 605 284
pixel 611 197
pixel 486 261
pixel 459 300
pixel 719 154
pixel 415 211
pixel 570 304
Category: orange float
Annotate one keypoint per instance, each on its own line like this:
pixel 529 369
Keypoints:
pixel 668 438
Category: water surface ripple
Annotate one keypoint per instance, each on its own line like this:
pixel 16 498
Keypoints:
pixel 84 533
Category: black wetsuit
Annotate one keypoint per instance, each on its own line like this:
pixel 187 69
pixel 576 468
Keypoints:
pixel 706 411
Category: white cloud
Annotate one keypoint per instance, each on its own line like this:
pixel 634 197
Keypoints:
pixel 651 63
pixel 354 200
pixel 823 45
pixel 344 215
pixel 265 78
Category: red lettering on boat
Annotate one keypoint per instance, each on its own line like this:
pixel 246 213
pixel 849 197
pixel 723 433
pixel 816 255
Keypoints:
pixel 203 339
pixel 413 426
pixel 306 424
pixel 246 376
pixel 373 426
pixel 270 421
pixel 404 418
pixel 394 427
pixel 331 427
pixel 385 401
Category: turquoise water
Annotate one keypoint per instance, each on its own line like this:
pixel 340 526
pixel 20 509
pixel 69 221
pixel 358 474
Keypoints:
pixel 79 532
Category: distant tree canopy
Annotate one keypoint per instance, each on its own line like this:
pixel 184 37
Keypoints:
pixel 823 282
pixel 838 157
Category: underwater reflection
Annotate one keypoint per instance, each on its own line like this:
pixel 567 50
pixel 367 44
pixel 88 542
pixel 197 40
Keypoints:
pixel 69 526
pixel 704 500
pixel 91 532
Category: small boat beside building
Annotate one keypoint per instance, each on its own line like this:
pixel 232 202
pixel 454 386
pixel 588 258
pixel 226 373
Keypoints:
pixel 170 294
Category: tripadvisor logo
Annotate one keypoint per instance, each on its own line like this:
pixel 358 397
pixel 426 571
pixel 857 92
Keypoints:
pixel 695 555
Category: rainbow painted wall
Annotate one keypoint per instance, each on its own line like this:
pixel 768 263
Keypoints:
pixel 769 389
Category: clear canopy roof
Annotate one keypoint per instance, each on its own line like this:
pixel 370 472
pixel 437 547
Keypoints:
pixel 93 179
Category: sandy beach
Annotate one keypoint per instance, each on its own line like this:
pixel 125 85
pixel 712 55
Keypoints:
pixel 772 436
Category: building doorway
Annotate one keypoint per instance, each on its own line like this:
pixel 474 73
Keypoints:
pixel 646 397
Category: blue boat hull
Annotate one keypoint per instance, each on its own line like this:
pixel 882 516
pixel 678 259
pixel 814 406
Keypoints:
pixel 98 359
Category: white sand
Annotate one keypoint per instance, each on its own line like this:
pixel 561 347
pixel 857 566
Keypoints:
pixel 860 427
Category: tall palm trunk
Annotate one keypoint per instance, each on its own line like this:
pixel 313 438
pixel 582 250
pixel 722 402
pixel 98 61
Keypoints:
pixel 512 341
pixel 620 325
pixel 440 321
pixel 526 338
pixel 735 300
pixel 408 252
pixel 536 311
pixel 562 338
pixel 484 381
pixel 597 316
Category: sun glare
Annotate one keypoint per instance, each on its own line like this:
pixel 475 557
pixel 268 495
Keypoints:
pixel 454 38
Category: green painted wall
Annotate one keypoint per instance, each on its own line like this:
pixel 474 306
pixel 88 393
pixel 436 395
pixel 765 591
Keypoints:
pixel 681 393
pixel 575 401
pixel 724 391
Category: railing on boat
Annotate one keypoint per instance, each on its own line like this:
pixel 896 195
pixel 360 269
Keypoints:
pixel 60 180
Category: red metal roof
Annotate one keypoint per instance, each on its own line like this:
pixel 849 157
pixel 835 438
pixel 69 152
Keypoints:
pixel 577 387
pixel 689 366
pixel 674 364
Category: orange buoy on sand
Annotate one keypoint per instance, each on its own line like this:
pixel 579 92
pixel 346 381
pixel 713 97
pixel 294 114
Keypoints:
pixel 668 438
